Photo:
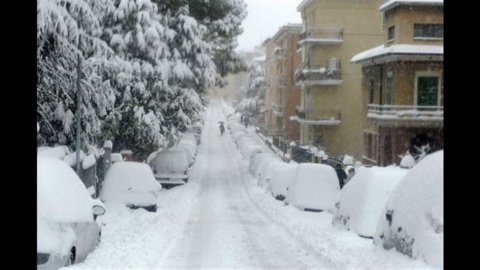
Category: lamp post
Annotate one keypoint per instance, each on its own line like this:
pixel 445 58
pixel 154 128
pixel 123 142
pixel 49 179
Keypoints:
pixel 78 145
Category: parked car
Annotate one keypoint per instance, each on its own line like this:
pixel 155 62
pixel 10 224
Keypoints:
pixel 314 188
pixel 280 179
pixel 188 151
pixel 133 184
pixel 67 230
pixel 171 167
pixel 363 198
pixel 412 221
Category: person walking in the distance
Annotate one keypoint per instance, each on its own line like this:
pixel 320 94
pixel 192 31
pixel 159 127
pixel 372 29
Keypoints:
pixel 222 128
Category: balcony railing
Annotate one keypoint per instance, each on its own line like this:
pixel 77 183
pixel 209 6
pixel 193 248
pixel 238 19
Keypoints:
pixel 300 112
pixel 279 53
pixel 331 74
pixel 321 36
pixel 324 117
pixel 409 113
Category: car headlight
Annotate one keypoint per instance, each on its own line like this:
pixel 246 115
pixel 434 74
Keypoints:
pixel 42 258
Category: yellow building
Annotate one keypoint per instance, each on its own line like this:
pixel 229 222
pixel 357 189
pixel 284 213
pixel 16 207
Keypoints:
pixel 403 82
pixel 330 111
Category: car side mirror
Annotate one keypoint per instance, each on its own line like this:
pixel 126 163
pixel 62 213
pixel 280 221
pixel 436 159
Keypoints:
pixel 98 210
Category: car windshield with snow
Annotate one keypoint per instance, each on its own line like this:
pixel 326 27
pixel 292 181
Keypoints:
pixel 132 184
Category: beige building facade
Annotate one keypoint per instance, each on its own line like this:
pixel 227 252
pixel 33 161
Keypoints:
pixel 331 113
pixel 402 85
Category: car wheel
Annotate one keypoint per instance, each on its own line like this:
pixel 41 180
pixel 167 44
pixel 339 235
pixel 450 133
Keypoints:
pixel 99 237
pixel 71 257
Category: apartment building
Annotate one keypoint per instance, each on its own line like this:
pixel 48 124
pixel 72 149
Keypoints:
pixel 331 111
pixel 403 82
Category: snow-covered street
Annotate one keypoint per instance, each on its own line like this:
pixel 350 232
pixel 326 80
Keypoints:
pixel 222 219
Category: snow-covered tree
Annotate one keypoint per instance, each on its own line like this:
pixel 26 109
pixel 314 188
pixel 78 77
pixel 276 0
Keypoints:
pixel 223 19
pixel 66 30
pixel 255 94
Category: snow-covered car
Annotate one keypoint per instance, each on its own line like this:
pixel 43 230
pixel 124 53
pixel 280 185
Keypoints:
pixel 412 220
pixel 363 198
pixel 314 188
pixel 249 149
pixel 66 228
pixel 255 162
pixel 188 151
pixel 171 167
pixel 237 135
pixel 266 170
pixel 280 179
pixel 133 184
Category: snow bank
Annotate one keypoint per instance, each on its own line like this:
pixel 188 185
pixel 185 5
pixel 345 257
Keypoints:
pixel 315 186
pixel 364 197
pixel 130 183
pixel 53 152
pixel 412 221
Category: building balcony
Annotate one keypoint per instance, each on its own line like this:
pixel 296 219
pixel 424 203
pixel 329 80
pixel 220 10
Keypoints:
pixel 317 75
pixel 279 54
pixel 405 115
pixel 319 117
pixel 321 36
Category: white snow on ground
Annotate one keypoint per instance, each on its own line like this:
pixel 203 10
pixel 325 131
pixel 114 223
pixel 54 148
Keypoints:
pixel 222 219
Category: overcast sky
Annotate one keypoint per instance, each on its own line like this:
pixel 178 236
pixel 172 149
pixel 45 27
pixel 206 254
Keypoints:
pixel 263 20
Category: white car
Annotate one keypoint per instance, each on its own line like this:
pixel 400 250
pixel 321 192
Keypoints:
pixel 314 188
pixel 280 179
pixel 170 167
pixel 412 221
pixel 133 184
pixel 66 228
pixel 363 198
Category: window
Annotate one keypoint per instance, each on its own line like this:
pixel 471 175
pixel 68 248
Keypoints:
pixel 391 33
pixel 389 94
pixel 371 93
pixel 427 30
pixel 370 145
pixel 310 21
pixel 427 89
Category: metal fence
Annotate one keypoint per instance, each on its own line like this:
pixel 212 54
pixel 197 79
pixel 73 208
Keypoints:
pixel 301 155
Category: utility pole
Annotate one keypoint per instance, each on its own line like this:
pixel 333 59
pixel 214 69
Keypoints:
pixel 78 146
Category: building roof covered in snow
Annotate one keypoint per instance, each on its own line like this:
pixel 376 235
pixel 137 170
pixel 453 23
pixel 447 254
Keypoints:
pixel 407 50
pixel 390 4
